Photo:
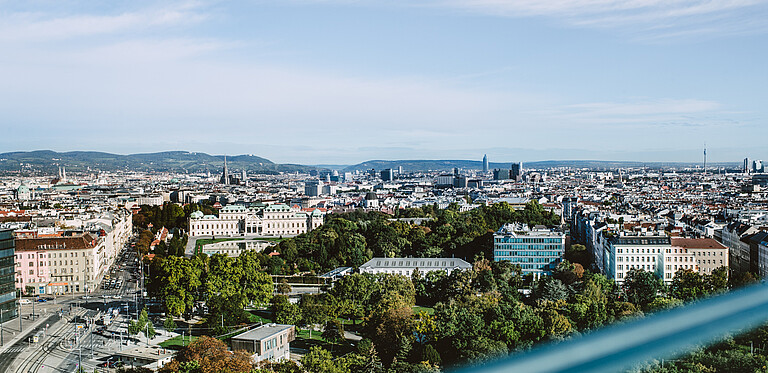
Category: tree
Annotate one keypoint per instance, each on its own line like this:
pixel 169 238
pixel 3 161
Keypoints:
pixel 319 360
pixel 663 303
pixel 430 355
pixel 688 285
pixel 334 331
pixel 283 287
pixel 388 327
pixel 169 324
pixel 552 289
pixel 366 359
pixel 176 280
pixel 739 279
pixel 641 287
pixel 285 312
pixel 578 253
pixel 718 280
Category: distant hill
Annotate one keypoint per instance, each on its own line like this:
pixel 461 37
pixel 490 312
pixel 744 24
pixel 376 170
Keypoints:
pixel 447 165
pixel 171 161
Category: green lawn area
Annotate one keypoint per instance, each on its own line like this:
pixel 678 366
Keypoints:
pixel 428 310
pixel 176 343
pixel 304 341
pixel 258 316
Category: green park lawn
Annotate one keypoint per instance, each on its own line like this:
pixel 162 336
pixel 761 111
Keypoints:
pixel 428 310
pixel 176 342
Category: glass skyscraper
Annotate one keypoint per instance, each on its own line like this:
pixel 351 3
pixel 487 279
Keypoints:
pixel 8 309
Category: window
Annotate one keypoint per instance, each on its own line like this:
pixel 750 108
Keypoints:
pixel 31 271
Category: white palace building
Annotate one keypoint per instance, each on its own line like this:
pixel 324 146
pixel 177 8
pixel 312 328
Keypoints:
pixel 267 220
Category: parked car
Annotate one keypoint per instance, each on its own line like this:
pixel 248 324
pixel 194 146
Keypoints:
pixel 25 301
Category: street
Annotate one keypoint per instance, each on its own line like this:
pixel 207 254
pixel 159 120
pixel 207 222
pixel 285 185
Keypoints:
pixel 70 329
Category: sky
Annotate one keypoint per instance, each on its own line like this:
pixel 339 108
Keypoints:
pixel 345 81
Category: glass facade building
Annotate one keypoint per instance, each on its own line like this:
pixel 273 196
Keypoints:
pixel 8 307
pixel 537 251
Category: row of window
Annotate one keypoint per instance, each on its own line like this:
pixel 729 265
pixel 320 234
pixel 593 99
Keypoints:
pixel 21 280
pixel 535 266
pixel 529 253
pixel 647 267
pixel 531 260
pixel 74 254
pixel 709 261
pixel 55 271
pixel 407 263
pixel 529 247
pixel 708 253
pixel 639 251
pixel 527 240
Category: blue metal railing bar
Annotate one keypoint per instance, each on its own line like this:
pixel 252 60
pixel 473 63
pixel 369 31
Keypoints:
pixel 660 336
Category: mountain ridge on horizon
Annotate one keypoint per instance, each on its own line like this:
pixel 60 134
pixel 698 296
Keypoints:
pixel 187 161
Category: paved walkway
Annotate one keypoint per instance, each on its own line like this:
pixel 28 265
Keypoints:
pixel 11 332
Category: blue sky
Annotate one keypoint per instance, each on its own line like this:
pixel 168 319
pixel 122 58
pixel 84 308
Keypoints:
pixel 343 81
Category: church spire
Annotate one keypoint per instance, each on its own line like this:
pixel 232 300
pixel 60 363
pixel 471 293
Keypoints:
pixel 225 174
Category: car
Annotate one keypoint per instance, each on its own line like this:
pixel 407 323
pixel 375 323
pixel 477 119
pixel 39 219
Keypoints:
pixel 117 296
pixel 41 300
pixel 106 296
pixel 87 297
pixel 106 277
pixel 25 301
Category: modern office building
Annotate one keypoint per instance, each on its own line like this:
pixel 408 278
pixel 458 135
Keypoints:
pixel 537 250
pixel 387 174
pixel 516 172
pixel 8 308
pixel 485 163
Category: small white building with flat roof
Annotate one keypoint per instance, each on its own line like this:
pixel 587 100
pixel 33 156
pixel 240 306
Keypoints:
pixel 406 266
pixel 267 342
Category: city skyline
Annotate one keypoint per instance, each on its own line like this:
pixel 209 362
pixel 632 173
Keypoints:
pixel 341 82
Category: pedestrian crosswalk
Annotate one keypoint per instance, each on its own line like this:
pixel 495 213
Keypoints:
pixel 14 349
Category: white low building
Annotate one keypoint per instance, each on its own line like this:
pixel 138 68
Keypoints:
pixel 406 266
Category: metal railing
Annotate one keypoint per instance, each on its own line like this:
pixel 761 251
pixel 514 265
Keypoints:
pixel 659 336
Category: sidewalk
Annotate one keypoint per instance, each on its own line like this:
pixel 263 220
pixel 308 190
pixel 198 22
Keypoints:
pixel 12 335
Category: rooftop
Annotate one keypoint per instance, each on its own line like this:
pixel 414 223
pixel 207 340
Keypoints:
pixel 263 332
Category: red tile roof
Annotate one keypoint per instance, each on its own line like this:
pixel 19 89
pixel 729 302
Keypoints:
pixel 697 243
pixel 85 241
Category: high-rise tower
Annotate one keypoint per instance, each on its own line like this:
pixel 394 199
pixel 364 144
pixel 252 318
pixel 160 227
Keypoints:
pixel 485 163
pixel 225 174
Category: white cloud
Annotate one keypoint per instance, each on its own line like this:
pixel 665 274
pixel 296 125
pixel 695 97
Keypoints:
pixel 649 20
pixel 24 27
pixel 649 114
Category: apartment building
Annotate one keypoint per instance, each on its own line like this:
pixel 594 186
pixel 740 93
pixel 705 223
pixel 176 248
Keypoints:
pixel 59 265
pixel 708 253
